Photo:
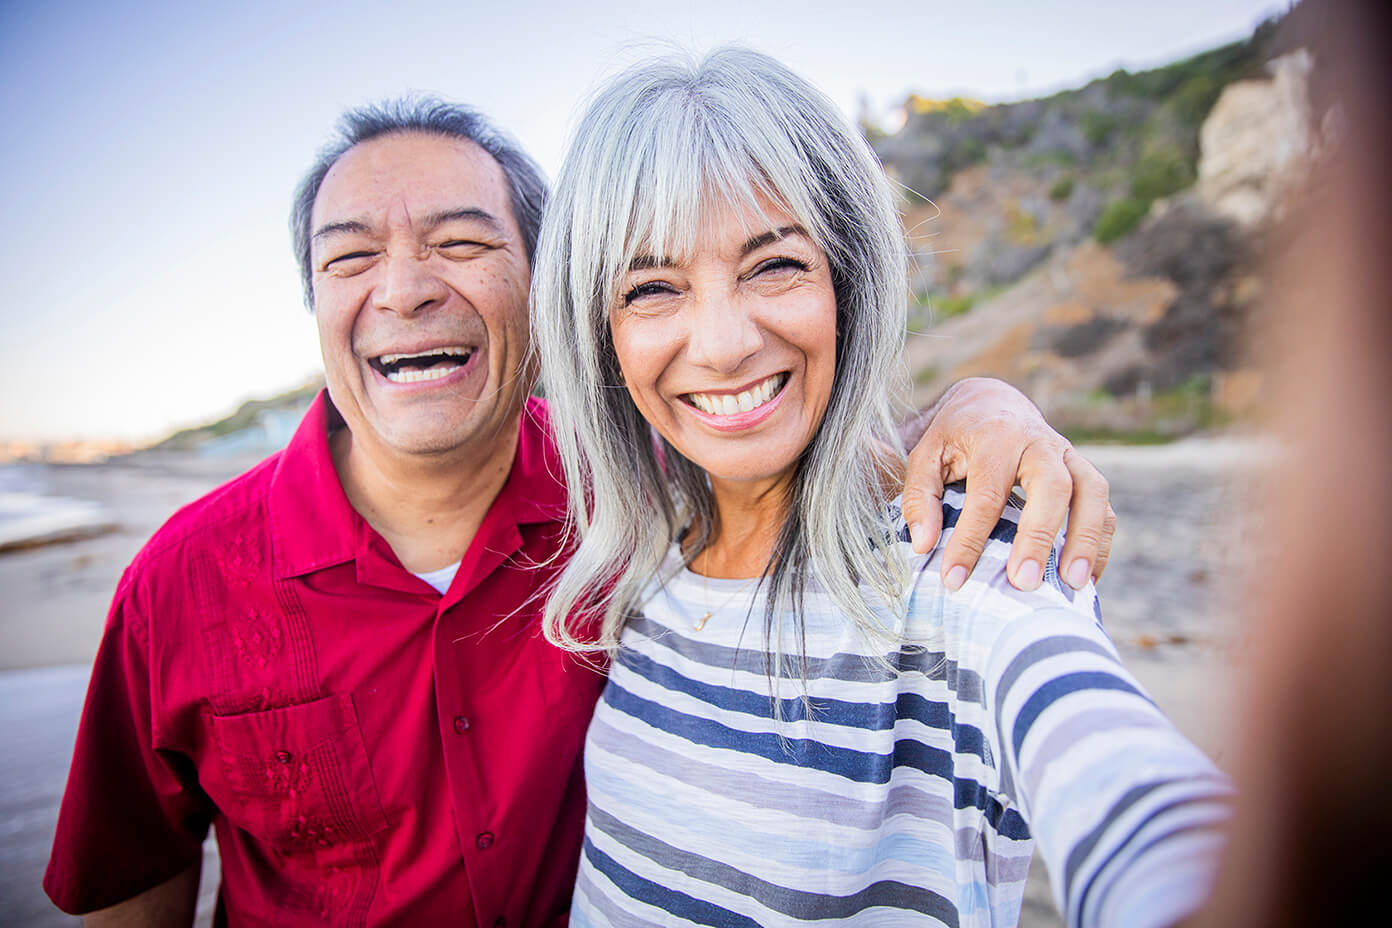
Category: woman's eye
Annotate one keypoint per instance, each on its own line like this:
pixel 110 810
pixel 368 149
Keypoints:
pixel 651 288
pixel 461 243
pixel 779 264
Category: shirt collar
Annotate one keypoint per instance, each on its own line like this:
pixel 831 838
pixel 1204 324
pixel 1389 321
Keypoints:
pixel 536 486
pixel 313 525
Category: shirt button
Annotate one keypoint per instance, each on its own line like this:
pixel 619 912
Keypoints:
pixel 283 757
pixel 484 840
pixel 500 922
pixel 461 723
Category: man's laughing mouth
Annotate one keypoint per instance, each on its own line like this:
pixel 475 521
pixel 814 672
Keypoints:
pixel 431 364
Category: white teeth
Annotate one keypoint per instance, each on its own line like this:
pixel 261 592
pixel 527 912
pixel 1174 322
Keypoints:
pixel 415 375
pixel 451 350
pixel 725 404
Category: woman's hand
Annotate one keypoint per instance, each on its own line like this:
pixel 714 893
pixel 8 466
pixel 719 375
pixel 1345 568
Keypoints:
pixel 990 434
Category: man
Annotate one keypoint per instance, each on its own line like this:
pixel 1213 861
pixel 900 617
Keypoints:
pixel 335 658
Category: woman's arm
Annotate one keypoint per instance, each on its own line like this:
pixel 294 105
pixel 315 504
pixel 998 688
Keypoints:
pixel 1127 813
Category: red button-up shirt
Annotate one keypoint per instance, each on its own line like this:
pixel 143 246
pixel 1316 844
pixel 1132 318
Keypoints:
pixel 369 751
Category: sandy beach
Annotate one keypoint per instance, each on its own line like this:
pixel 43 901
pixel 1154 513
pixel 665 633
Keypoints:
pixel 1170 601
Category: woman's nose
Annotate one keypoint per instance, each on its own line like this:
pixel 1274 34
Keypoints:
pixel 723 334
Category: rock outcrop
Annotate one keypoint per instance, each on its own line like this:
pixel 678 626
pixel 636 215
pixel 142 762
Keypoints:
pixel 1100 249
pixel 1256 143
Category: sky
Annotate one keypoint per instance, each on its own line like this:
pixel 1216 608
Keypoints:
pixel 150 150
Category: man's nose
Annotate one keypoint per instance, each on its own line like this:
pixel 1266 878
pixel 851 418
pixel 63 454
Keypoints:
pixel 409 283
pixel 723 334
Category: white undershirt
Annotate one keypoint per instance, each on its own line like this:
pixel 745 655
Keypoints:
pixel 442 578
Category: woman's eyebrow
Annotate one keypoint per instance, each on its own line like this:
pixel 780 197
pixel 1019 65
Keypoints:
pixel 771 236
pixel 648 262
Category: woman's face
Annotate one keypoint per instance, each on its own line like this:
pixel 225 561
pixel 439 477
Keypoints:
pixel 730 352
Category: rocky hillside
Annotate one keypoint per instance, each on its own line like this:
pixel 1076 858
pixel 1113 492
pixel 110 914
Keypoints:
pixel 1099 248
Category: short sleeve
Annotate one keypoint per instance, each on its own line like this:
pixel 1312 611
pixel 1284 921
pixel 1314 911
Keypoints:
pixel 132 816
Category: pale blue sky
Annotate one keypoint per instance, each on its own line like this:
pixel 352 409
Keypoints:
pixel 150 150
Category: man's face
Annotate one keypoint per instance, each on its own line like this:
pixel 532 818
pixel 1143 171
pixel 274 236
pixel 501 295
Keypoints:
pixel 420 291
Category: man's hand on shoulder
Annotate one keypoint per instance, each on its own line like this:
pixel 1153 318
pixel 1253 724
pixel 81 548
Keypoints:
pixel 988 433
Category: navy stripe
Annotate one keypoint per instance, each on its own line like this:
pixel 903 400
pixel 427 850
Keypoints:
pixel 1217 827
pixel 1058 688
pixel 863 716
pixel 1084 847
pixel 860 766
pixel 1001 531
pixel 854 668
pixel 668 900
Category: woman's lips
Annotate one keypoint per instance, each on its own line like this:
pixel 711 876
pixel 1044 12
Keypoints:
pixel 734 411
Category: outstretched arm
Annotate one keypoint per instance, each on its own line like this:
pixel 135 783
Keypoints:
pixel 990 434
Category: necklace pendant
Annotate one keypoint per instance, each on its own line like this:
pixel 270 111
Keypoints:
pixel 702 624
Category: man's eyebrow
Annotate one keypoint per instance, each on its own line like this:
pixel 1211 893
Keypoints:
pixel 771 236
pixel 468 213
pixel 340 228
pixel 435 220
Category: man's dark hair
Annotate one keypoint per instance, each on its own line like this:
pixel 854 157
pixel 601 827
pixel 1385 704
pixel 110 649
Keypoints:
pixel 431 116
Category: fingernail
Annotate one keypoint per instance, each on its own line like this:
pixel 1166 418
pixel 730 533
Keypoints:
pixel 1078 573
pixel 1028 576
pixel 956 577
pixel 916 536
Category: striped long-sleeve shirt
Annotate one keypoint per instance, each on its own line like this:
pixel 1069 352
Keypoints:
pixel 906 791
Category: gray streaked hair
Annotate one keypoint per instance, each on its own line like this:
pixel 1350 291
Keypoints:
pixel 428 116
pixel 656 150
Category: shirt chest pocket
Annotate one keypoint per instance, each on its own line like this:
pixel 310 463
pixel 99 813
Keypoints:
pixel 298 776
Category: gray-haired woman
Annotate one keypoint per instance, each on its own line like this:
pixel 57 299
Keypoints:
pixel 718 301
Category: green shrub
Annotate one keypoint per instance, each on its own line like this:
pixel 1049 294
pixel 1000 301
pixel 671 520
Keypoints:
pixel 1021 228
pixel 1098 126
pixel 1119 218
pixel 1160 173
pixel 949 306
pixel 1062 188
pixel 1195 97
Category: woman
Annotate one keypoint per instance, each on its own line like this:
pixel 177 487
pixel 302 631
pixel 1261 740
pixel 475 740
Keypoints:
pixel 719 296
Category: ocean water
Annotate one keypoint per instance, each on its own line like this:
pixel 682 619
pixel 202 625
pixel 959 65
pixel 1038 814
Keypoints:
pixel 29 514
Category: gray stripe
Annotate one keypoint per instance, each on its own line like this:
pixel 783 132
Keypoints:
pixel 1118 864
pixel 613 915
pixel 1083 848
pixel 794 903
pixel 1079 726
pixel 853 668
pixel 1031 655
pixel 813 803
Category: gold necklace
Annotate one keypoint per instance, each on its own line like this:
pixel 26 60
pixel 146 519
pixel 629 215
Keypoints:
pixel 705 598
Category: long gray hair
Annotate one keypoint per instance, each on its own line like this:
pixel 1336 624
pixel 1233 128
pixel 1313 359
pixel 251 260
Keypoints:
pixel 655 151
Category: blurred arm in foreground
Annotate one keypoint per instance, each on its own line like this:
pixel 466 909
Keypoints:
pixel 1317 725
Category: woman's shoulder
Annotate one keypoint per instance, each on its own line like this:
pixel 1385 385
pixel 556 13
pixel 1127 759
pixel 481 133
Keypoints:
pixel 987 589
